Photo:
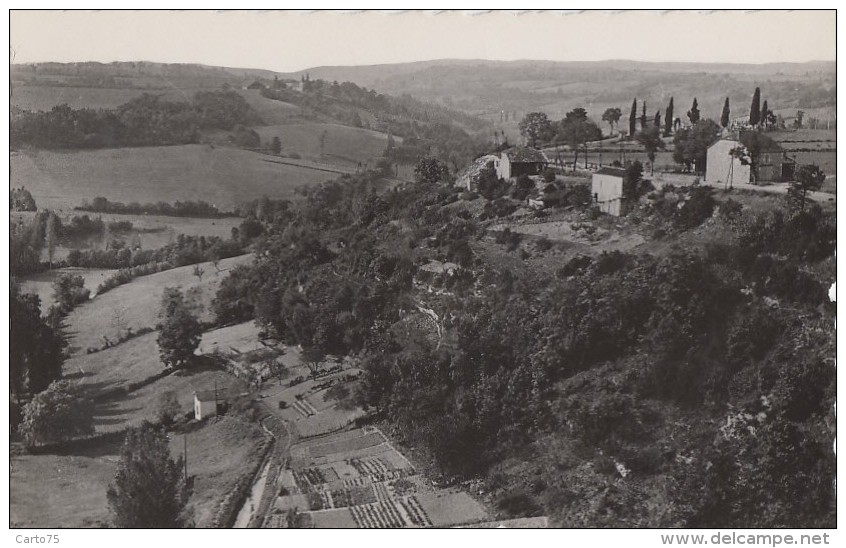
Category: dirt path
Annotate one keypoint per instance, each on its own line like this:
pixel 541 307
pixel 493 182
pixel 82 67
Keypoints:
pixel 254 512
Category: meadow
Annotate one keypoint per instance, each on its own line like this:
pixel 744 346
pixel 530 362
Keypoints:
pixel 222 176
pixel 136 305
pixel 343 145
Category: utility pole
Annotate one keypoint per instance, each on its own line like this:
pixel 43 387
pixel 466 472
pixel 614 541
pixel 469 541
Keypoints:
pixel 185 454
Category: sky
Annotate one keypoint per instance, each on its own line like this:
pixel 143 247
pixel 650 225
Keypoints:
pixel 288 41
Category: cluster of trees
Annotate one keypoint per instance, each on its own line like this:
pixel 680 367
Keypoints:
pixel 607 357
pixel 185 250
pixel 35 346
pixel 147 120
pixel 20 199
pixel 187 208
pixel 575 129
pixel 322 95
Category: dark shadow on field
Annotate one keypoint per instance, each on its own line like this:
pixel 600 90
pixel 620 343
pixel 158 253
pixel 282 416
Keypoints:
pixel 97 446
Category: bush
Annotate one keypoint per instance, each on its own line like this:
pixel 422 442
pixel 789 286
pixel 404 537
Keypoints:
pixel 698 208
pixel 69 291
pixel 548 175
pixel 167 408
pixel 574 266
pixel 543 244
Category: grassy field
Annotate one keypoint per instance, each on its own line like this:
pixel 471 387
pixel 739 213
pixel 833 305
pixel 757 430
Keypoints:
pixel 62 490
pixel 344 145
pixel 222 176
pixel 218 455
pixel 69 490
pixel 136 304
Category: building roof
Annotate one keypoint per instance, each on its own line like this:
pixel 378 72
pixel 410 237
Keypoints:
pixel 615 171
pixel 209 395
pixel 525 155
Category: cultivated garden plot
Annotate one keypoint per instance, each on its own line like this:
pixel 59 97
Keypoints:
pixel 356 478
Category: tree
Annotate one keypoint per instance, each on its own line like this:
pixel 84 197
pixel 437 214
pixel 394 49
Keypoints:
pixel 535 126
pixel 488 184
pixel 808 177
pixel 20 199
pixel 756 143
pixel 50 236
pixel 797 123
pixel 180 331
pixel 167 408
pixel 651 141
pixel 276 145
pixel 755 109
pixel 693 113
pixel 612 116
pixel 576 130
pixel 724 117
pixel 148 490
pixel 631 181
pixel 643 121
pixel 57 414
pixel 35 348
pixel 633 119
pixel 691 144
pixel 313 356
pixel 430 170
pixel 657 120
pixel 322 143
pixel 668 119
pixel 765 111
pixel 69 290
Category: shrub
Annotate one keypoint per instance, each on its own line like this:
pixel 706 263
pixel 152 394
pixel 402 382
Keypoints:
pixel 167 408
pixel 69 291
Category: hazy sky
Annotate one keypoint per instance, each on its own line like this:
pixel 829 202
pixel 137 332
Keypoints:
pixel 290 41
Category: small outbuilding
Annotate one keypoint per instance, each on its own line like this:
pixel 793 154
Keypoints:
pixel 208 403
pixel 607 190
pixel 520 161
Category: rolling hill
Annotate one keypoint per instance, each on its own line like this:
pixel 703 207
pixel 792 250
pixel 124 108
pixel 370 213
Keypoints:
pixel 487 87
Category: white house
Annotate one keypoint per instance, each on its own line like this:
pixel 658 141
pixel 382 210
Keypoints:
pixel 207 403
pixel 607 190
pixel 722 168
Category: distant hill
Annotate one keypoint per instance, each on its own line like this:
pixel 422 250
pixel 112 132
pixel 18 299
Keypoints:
pixel 488 87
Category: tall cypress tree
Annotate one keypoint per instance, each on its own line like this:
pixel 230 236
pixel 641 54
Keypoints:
pixel 764 110
pixel 668 118
pixel 693 113
pixel 658 120
pixel 724 117
pixel 755 109
pixel 643 117
pixel 633 118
